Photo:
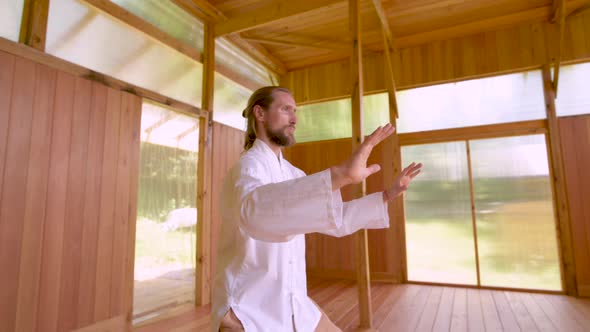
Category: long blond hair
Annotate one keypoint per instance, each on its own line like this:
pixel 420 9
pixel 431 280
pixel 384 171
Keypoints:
pixel 262 97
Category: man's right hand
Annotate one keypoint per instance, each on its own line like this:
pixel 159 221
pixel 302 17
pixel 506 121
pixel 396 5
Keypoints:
pixel 354 169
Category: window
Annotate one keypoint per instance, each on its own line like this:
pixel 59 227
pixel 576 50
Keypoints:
pixel 499 99
pixel 572 93
pixel 439 227
pixel 333 119
pixel 230 99
pixel 514 217
pixel 169 18
pixel 81 34
pixel 514 212
pixel 166 213
pixel 11 12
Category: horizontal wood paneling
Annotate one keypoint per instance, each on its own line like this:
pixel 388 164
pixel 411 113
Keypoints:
pixel 67 187
pixel 575 145
pixel 508 50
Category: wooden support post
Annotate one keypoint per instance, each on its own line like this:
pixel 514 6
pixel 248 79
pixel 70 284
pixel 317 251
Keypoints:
pixel 33 31
pixel 356 72
pixel 203 273
pixel 563 226
pixel 392 156
pixel 560 14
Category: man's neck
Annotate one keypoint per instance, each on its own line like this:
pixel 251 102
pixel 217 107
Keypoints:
pixel 275 148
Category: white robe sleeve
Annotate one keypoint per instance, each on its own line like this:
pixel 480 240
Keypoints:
pixel 366 212
pixel 278 211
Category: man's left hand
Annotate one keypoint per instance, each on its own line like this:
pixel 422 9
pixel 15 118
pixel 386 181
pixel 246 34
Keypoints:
pixel 402 182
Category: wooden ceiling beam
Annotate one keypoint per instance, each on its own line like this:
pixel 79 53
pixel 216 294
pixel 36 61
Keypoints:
pixel 33 30
pixel 384 23
pixel 302 42
pixel 201 9
pixel 561 9
pixel 271 13
pixel 260 54
pixel 540 14
pixel 389 48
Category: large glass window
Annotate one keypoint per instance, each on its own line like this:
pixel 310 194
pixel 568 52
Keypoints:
pixel 11 12
pixel 439 227
pixel 572 95
pixel 499 99
pixel 166 213
pixel 84 35
pixel 332 119
pixel 514 211
pixel 230 100
pixel 514 217
pixel 169 18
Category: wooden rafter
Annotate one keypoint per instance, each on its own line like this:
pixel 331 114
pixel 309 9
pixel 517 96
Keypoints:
pixel 308 42
pixel 260 54
pixel 560 12
pixel 540 14
pixel 361 237
pixel 34 23
pixel 201 9
pixel 388 49
pixel 579 10
pixel 384 23
pixel 271 13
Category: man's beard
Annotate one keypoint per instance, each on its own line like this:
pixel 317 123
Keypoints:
pixel 279 137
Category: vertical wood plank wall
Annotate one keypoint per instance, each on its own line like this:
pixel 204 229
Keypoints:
pixel 516 48
pixel 575 142
pixel 228 144
pixel 330 256
pixel 69 162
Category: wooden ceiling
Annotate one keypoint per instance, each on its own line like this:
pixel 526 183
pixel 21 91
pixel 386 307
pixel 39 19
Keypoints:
pixel 307 32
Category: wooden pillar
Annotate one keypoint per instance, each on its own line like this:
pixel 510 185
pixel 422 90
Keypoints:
pixel 558 182
pixel 356 72
pixel 33 29
pixel 203 272
pixel 392 164
pixel 559 48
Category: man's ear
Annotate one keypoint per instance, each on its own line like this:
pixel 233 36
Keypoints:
pixel 258 113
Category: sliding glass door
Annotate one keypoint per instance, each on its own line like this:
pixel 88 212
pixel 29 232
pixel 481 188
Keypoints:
pixel 482 214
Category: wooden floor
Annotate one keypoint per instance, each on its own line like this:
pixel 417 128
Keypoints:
pixel 411 307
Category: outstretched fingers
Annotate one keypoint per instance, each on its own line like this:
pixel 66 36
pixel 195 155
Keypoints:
pixel 381 133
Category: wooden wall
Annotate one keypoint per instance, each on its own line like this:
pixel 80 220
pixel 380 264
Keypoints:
pixel 69 159
pixel 510 49
pixel 228 144
pixel 575 144
pixel 330 256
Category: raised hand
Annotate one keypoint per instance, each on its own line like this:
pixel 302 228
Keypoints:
pixel 354 169
pixel 402 182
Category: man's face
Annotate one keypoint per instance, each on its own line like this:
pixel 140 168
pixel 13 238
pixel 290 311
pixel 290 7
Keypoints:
pixel 280 119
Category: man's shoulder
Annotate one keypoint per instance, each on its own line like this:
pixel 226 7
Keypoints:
pixel 249 160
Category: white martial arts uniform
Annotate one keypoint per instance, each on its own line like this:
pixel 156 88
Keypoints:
pixel 267 205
